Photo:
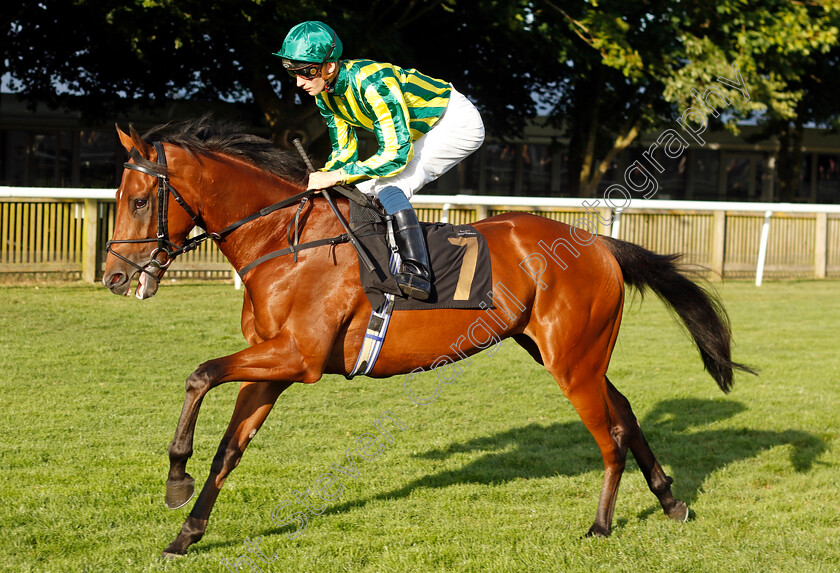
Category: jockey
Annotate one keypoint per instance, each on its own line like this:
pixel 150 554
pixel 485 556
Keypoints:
pixel 423 126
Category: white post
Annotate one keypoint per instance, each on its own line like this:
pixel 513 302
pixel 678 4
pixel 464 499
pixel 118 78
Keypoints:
pixel 616 225
pixel 762 248
pixel 444 217
pixel 237 280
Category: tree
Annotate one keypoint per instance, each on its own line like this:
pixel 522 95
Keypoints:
pixel 106 57
pixel 634 65
pixel 608 70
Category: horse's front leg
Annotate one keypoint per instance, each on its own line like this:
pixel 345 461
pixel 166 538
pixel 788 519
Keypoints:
pixel 271 361
pixel 253 404
pixel 179 484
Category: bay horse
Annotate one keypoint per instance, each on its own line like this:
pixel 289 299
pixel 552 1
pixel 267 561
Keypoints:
pixel 306 316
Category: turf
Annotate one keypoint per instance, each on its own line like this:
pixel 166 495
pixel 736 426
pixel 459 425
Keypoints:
pixel 497 474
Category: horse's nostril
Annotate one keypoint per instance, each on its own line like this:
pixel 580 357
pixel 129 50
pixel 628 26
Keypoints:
pixel 116 279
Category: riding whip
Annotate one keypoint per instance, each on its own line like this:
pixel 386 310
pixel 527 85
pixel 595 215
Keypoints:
pixel 353 241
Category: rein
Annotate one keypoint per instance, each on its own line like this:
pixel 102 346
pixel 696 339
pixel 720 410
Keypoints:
pixel 171 250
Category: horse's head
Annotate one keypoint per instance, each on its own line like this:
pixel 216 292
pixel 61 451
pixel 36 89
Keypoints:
pixel 141 247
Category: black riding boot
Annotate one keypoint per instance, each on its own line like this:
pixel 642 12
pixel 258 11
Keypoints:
pixel 414 277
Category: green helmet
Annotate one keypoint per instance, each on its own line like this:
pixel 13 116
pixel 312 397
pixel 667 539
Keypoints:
pixel 312 42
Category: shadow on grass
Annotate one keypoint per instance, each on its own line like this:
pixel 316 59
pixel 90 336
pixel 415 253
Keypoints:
pixel 674 429
pixel 677 430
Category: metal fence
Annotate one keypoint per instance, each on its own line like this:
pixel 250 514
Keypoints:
pixel 61 233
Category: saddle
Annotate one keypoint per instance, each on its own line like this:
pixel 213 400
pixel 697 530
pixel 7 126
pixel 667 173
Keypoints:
pixel 459 257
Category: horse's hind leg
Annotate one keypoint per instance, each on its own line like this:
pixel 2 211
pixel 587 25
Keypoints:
pixel 253 404
pixel 590 399
pixel 658 482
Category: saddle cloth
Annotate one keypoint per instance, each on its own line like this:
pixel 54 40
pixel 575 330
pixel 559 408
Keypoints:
pixel 459 256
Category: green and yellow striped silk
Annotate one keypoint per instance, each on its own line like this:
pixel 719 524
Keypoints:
pixel 397 105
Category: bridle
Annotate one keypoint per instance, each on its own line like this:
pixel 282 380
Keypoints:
pixel 171 250
pixel 165 246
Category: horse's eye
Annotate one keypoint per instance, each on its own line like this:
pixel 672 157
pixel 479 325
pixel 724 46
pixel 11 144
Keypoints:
pixel 139 203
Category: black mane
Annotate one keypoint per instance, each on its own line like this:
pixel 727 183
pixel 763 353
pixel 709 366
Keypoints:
pixel 204 135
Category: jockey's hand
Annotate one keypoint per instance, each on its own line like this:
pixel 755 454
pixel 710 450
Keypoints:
pixel 325 179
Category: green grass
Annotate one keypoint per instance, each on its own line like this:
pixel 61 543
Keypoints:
pixel 498 474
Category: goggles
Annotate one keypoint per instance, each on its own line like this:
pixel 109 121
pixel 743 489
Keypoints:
pixel 307 72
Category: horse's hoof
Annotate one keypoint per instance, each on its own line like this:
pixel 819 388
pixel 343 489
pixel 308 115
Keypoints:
pixel 167 556
pixel 597 531
pixel 679 512
pixel 179 493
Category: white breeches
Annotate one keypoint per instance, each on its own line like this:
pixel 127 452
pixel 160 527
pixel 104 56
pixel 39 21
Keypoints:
pixel 458 132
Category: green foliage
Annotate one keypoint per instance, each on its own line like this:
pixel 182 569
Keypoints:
pixel 661 50
pixel 772 43
pixel 497 475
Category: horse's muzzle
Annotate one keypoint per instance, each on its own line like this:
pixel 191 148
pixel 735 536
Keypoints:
pixel 148 281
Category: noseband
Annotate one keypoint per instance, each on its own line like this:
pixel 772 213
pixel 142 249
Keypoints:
pixel 164 246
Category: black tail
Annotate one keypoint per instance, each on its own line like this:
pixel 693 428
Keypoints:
pixel 701 312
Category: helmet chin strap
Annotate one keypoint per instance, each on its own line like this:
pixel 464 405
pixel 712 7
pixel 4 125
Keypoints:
pixel 324 63
pixel 330 77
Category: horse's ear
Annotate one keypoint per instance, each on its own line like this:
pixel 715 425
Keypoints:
pixel 144 148
pixel 125 139
pixel 133 139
